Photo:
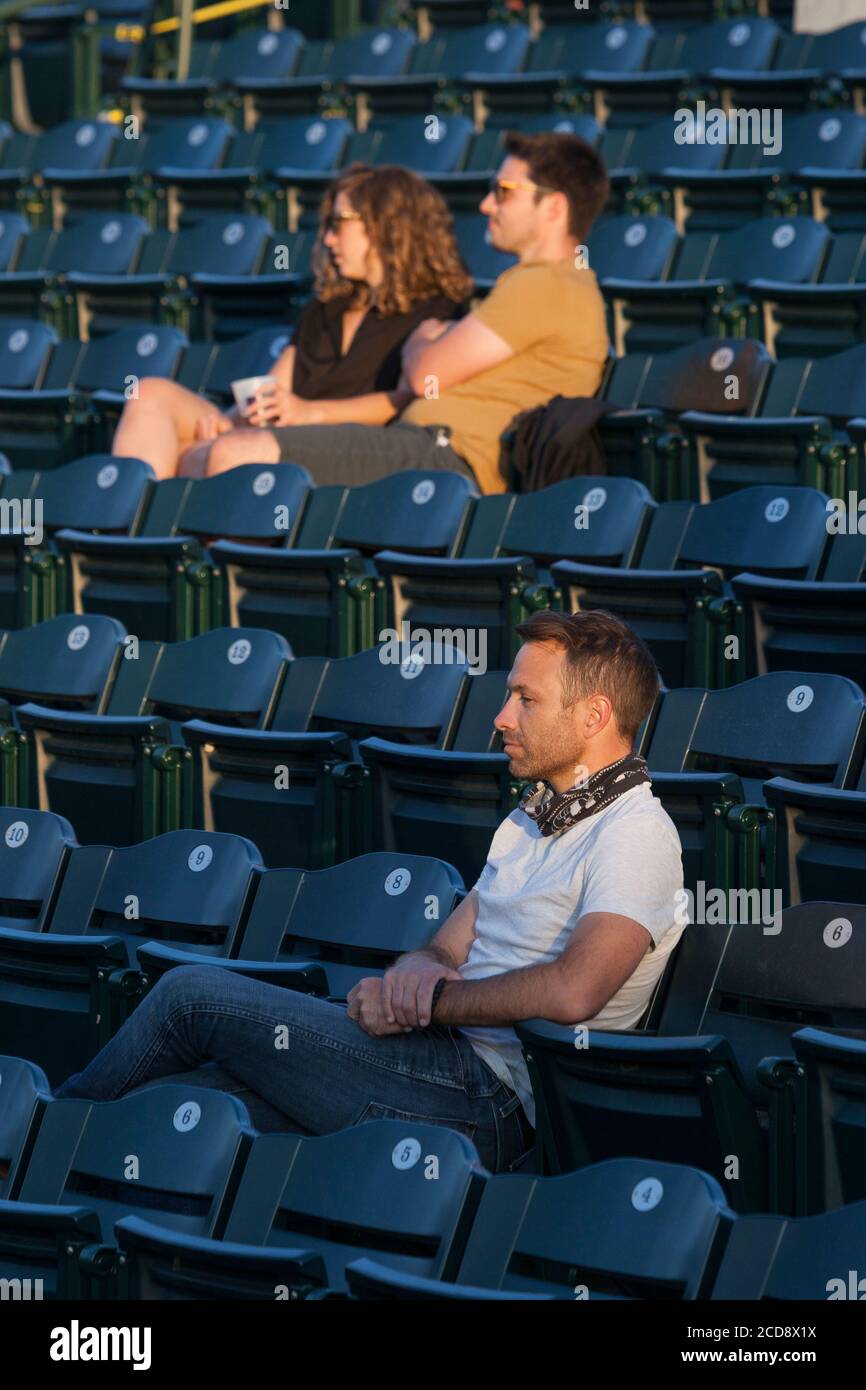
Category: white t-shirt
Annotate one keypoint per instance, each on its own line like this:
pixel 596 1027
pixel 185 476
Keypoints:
pixel 534 889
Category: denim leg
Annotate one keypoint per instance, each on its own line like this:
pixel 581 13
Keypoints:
pixel 305 1057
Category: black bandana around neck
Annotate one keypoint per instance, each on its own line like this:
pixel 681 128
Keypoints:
pixel 555 812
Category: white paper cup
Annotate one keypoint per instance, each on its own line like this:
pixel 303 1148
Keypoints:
pixel 244 391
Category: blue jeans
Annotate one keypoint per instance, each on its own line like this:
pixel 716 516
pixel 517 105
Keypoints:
pixel 300 1063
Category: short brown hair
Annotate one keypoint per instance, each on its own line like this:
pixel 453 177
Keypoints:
pixel 412 231
pixel 568 165
pixel 602 657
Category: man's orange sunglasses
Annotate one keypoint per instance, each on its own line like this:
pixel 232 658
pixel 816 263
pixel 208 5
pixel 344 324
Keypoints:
pixel 500 188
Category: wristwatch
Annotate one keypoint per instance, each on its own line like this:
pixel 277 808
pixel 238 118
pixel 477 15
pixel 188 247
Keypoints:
pixel 437 990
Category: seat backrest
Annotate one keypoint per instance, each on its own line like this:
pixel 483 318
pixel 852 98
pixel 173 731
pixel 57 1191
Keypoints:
pixel 438 147
pixel 294 1193
pixel 633 248
pixel 258 53
pixel 362 912
pixel 666 144
pixel 845 562
pixel 745 45
pixel 692 377
pixel 821 140
pixel 838 49
pixel 804 725
pixel 181 142
pixel 34 846
pixel 231 674
pixel 221 244
pixel 303 142
pixel 481 48
pixel 25 348
pixel 14 230
pixel 169 1149
pixel 66 662
pixel 809 1258
pixel 252 355
pixel 189 887
pixel 591 47
pixel 77 144
pixel 483 699
pixel 402 690
pixel 98 493
pixel 250 502
pixel 423 513
pixel 116 361
pixel 766 529
pixel 623 1227
pixel 25 1093
pixel 373 53
pixel 789 249
pixel 98 243
pixel 593 519
pixel 836 386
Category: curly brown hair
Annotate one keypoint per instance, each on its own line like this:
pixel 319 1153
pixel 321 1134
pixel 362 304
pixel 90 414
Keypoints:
pixel 412 231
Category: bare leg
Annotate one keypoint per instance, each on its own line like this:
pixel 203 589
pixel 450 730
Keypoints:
pixel 242 446
pixel 160 423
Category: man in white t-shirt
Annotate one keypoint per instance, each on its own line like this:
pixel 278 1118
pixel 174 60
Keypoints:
pixel 572 920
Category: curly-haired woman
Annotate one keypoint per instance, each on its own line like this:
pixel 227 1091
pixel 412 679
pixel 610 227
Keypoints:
pixel 385 262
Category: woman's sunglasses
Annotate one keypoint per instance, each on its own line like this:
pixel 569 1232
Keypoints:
pixel 336 220
pixel 501 188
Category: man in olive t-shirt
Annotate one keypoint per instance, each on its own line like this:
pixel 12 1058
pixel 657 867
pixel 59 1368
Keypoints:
pixel 540 333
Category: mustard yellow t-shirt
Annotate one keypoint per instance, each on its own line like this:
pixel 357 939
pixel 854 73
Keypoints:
pixel 552 316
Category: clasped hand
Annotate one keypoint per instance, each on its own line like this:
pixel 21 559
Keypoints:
pixel 399 1001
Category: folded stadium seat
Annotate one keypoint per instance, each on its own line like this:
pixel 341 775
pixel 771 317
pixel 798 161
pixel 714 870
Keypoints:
pixel 635 157
pixel 215 66
pixel 140 776
pixel 325 69
pixel 623 1229
pixel 810 69
pixel 679 595
pixel 97 494
pixel 568 65
pixel 351 921
pixel 96 243
pixel 466 188
pixel 693 1090
pixel 808 624
pixel 709 286
pixel 265 170
pixel 626 249
pixel 66 664
pixel 65 989
pixel 820 839
pixel 754 180
pixel 296 1222
pixel 796 435
pixel 210 368
pixel 172 1150
pixel 185 276
pixel 711 751
pixel 829 1072
pixel 125 182
pixel 502 573
pixel 321 594
pixel 461 59
pixel 34 854
pixel 649 390
pixel 706 60
pixel 810 1258
pixel 83 145
pixel 161 580
pixel 295 783
pixel 73 405
pixel 25 1094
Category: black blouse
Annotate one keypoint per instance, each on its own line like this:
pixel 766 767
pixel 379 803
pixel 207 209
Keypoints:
pixel 373 360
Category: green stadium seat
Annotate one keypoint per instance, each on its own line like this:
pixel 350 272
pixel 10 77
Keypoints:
pixel 34 853
pixel 820 839
pixel 80 145
pixel 807 1258
pixel 502 574
pixel 467 57
pixel 829 1111
pixel 650 390
pixel 321 593
pixel 296 1223
pixel 141 779
pixel 189 1143
pixel 795 436
pixel 295 783
pixel 161 580
pixel 327 68
pixel 622 1229
pixel 566 57
pixel 680 597
pixel 216 66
